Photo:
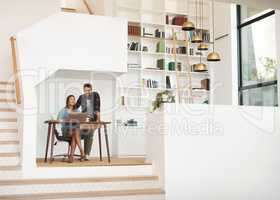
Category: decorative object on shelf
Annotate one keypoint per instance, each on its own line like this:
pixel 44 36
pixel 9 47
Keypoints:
pixel 160 64
pixel 168 82
pixel 145 49
pixel 163 97
pixel 202 46
pixel 159 34
pixel 160 47
pixel 134 46
pixel 213 56
pixel 205 84
pixel 131 122
pixel 197 37
pixel 122 101
pixel 171 66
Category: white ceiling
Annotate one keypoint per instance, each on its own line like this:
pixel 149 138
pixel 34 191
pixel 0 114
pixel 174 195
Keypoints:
pixel 256 3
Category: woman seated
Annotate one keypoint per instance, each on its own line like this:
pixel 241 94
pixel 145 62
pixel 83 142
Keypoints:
pixel 71 129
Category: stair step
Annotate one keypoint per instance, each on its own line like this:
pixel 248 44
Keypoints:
pixel 9 146
pixel 9 142
pixel 9 115
pixel 6 136
pixel 6 87
pixel 8 125
pixel 7 100
pixel 8 120
pixel 12 110
pixel 6 155
pixel 8 131
pixel 7 91
pixel 72 185
pixel 9 160
pixel 85 194
pixel 77 180
pixel 7 83
pixel 9 168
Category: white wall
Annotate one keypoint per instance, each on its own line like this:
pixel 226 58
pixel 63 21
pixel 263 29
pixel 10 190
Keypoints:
pixel 14 16
pixel 208 156
pixel 224 74
pixel 74 41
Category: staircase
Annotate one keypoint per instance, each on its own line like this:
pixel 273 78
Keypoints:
pixel 9 138
pixel 113 188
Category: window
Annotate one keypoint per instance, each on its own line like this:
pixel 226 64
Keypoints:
pixel 257 58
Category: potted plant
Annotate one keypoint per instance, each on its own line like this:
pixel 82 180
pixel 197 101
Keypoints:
pixel 163 97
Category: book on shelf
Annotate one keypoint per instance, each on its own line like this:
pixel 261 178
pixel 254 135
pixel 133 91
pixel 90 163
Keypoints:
pixel 178 50
pixel 168 82
pixel 149 83
pixel 134 30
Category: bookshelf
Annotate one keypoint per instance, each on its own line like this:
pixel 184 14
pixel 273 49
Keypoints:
pixel 144 78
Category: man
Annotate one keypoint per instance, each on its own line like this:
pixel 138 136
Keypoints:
pixel 90 104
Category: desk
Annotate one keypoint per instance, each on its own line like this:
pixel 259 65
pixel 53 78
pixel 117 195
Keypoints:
pixel 83 125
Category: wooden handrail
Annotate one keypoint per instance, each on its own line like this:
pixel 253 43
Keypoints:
pixel 15 70
pixel 88 7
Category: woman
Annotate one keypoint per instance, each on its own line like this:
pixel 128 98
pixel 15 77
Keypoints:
pixel 71 129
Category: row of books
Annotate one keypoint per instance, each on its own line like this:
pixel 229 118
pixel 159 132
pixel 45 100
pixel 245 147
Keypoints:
pixel 179 50
pixel 149 83
pixel 134 30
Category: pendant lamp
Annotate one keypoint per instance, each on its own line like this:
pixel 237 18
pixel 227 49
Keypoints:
pixel 202 46
pixel 188 26
pixel 213 56
pixel 196 36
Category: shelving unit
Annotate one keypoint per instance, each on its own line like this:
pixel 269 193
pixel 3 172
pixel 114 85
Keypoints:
pixel 151 15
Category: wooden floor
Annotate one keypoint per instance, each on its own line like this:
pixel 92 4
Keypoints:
pixel 58 162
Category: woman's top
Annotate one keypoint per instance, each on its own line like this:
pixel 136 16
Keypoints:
pixel 63 114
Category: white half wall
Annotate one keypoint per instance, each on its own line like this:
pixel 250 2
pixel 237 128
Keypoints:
pixel 217 152
pixel 14 16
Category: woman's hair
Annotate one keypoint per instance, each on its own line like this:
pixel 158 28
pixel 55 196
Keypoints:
pixel 67 100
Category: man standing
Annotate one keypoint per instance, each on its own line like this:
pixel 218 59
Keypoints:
pixel 90 104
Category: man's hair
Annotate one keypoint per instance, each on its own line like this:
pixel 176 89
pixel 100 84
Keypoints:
pixel 87 85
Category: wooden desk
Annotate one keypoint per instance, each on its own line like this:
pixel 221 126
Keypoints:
pixel 83 125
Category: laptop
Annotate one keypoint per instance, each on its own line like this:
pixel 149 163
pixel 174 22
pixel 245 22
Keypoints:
pixel 77 117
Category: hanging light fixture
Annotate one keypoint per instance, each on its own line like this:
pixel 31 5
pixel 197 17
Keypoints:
pixel 202 46
pixel 188 26
pixel 213 56
pixel 196 36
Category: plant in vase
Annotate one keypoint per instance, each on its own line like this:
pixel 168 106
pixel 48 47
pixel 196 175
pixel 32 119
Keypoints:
pixel 163 97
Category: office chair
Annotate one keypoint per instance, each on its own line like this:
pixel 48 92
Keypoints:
pixel 61 138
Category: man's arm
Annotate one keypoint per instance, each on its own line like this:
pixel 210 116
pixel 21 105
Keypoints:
pixel 78 103
pixel 96 106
